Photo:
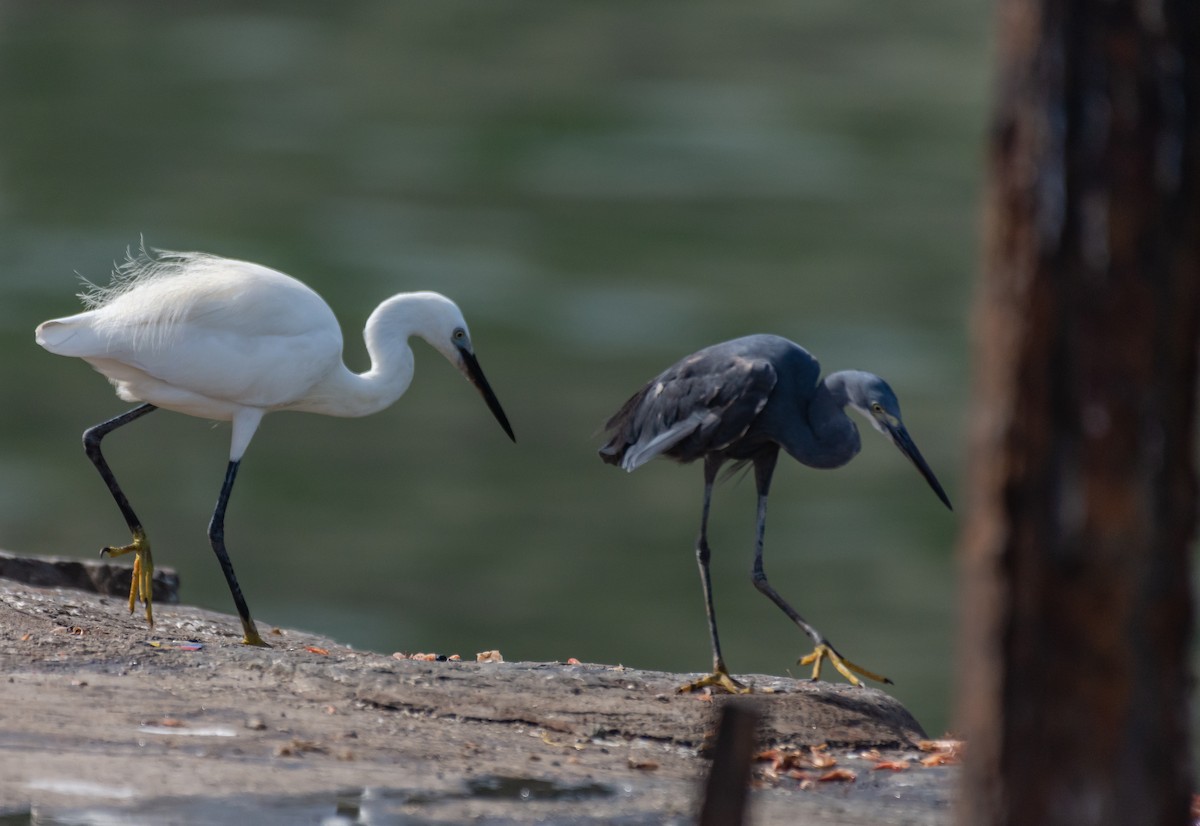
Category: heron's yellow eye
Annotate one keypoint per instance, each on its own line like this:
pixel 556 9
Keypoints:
pixel 877 408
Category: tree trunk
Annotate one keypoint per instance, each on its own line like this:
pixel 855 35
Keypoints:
pixel 1082 503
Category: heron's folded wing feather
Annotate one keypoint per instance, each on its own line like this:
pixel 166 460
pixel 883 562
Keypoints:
pixel 641 452
pixel 699 405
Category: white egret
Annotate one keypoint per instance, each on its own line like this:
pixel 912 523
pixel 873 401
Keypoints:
pixel 231 341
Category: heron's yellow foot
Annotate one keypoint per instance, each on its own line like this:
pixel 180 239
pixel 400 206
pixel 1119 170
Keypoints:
pixel 719 680
pixel 846 668
pixel 142 580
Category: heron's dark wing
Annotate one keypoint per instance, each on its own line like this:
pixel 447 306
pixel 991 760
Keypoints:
pixel 702 404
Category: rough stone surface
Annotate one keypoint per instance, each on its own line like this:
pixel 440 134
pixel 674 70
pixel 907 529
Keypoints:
pixel 99 577
pixel 183 724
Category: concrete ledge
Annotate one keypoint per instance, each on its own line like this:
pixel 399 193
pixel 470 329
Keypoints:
pixel 105 716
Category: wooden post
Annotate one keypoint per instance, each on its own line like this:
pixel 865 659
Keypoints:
pixel 727 789
pixel 1076 608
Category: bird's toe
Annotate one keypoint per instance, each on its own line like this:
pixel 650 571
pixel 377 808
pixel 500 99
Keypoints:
pixel 844 667
pixel 719 681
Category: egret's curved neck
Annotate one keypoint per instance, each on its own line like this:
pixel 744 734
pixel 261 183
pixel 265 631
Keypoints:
pixel 346 393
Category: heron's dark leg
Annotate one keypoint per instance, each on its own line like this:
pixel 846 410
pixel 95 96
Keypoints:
pixel 720 677
pixel 143 562
pixel 764 468
pixel 703 555
pixel 216 535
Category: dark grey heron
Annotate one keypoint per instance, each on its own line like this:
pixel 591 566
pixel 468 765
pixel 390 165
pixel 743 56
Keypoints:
pixel 232 341
pixel 742 401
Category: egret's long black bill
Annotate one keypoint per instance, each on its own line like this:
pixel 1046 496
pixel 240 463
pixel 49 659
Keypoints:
pixel 472 370
pixel 904 442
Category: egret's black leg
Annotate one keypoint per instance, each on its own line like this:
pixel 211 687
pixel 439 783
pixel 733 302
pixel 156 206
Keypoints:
pixel 720 677
pixel 143 562
pixel 764 468
pixel 216 535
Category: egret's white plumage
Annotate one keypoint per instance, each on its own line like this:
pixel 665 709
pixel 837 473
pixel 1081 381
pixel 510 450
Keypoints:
pixel 231 340
pixel 219 338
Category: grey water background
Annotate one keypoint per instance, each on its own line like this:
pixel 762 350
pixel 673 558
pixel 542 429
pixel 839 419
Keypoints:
pixel 603 188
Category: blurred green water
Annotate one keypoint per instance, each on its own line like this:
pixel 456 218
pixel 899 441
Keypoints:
pixel 603 188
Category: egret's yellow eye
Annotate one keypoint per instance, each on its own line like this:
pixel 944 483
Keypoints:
pixel 460 334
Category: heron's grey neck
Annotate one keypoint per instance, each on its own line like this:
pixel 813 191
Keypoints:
pixel 832 438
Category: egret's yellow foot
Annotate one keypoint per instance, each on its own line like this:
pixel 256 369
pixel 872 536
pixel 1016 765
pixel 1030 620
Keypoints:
pixel 719 679
pixel 250 636
pixel 846 668
pixel 142 579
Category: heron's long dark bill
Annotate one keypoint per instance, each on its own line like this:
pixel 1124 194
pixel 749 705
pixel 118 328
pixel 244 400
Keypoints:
pixel 472 370
pixel 904 442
